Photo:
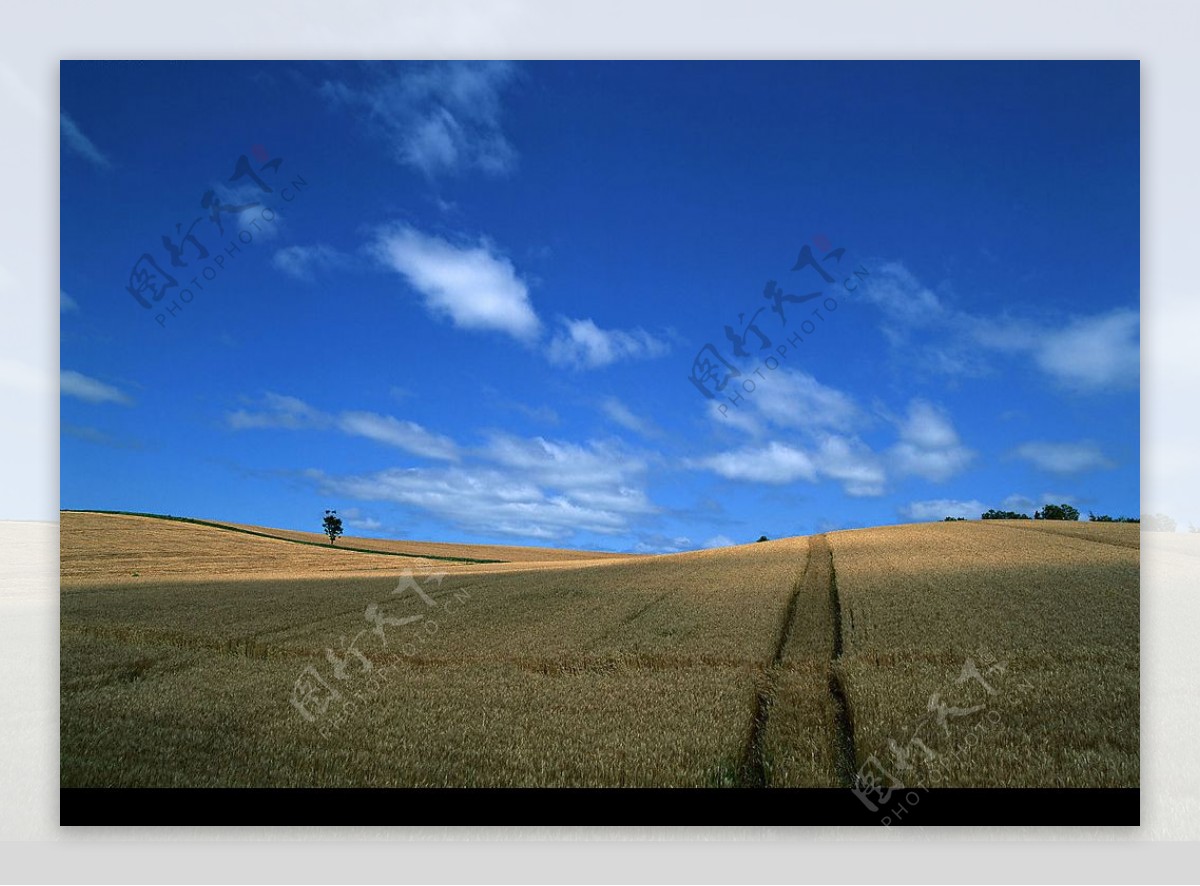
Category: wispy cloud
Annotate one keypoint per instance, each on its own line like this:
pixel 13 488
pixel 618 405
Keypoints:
pixel 66 304
pixel 1027 504
pixel 279 411
pixel 584 345
pixel 472 285
pixel 822 427
pixel 657 543
pixel 940 508
pixel 95 435
pixel 1094 352
pixel 622 415
pixel 438 118
pixel 76 384
pixel 75 140
pixel 406 435
pixel 853 464
pixel 357 519
pixel 1064 458
pixel 929 446
pixel 775 463
pixel 523 487
pixel 542 414
pixel 827 421
pixel 304 262
pixel 1082 353
pixel 793 399
pixel 290 413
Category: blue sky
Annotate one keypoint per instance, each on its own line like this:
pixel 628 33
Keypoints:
pixel 470 305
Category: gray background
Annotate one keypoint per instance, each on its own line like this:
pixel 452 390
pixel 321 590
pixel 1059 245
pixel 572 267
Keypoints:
pixel 1162 35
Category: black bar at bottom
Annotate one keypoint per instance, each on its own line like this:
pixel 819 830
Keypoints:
pixel 598 806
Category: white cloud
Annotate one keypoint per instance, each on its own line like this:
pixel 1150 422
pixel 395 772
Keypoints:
pixel 534 488
pixel 830 419
pixel 775 463
pixel 66 304
pixel 584 345
pixel 1094 352
pixel 406 435
pixel 940 508
pixel 303 262
pixel 852 463
pixel 1064 458
pixel 719 541
pixel 439 118
pixel 844 459
pixel 75 384
pixel 473 286
pixel 791 399
pixel 73 138
pixel 795 399
pixel 929 446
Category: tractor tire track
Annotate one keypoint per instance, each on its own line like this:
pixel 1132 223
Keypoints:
pixel 814 600
pixel 752 770
pixel 844 753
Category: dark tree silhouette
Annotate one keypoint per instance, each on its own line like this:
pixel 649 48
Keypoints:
pixel 332 525
pixel 1059 512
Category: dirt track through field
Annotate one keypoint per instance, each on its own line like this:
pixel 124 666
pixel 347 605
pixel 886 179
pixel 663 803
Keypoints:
pixel 816 587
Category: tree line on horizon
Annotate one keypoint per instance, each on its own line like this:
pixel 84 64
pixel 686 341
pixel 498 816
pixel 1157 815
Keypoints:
pixel 1049 512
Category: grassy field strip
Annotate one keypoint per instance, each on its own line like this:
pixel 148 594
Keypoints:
pixel 1124 535
pixel 781 663
pixel 441 550
pixel 1058 610
pixel 631 671
pixel 315 540
pixel 125 552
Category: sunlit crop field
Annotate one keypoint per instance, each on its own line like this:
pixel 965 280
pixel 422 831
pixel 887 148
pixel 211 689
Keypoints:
pixel 232 659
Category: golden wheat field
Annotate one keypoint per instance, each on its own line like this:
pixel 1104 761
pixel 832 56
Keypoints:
pixel 975 654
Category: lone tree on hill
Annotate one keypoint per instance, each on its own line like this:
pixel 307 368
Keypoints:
pixel 333 525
